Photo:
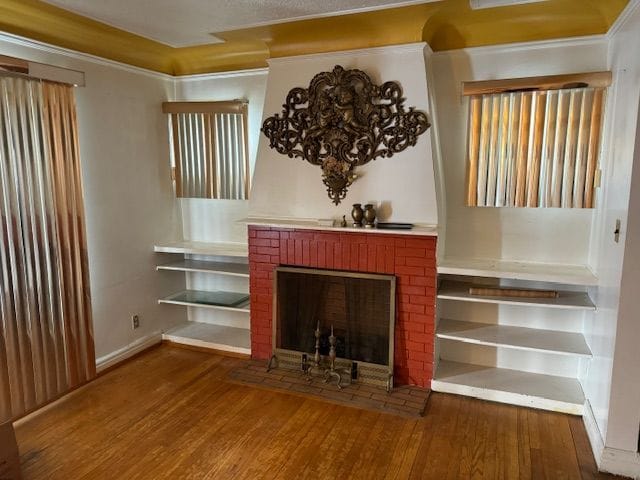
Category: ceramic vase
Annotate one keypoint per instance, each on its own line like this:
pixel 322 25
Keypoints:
pixel 369 216
pixel 357 214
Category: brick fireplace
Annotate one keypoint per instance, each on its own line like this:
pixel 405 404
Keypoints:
pixel 411 258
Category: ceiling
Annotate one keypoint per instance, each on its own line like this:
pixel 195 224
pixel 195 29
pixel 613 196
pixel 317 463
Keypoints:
pixel 186 23
pixel 156 35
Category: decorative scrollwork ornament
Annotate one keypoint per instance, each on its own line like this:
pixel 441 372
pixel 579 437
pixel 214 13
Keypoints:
pixel 343 121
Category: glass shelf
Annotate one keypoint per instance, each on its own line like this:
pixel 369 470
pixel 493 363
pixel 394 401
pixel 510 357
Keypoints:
pixel 215 299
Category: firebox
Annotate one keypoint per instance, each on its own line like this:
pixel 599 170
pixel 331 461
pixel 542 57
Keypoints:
pixel 319 315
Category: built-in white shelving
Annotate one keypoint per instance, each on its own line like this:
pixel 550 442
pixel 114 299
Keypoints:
pixel 221 268
pixel 450 290
pixel 516 387
pixel 507 348
pixel 216 337
pixel 223 249
pixel 543 272
pixel 550 341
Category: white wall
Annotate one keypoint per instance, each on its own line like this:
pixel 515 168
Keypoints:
pixel 612 385
pixel 544 235
pixel 210 220
pixel 566 236
pixel 624 417
pixel 128 199
pixel 292 188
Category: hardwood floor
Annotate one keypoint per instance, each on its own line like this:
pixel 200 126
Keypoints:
pixel 169 413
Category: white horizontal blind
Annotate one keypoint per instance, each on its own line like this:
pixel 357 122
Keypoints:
pixel 209 155
pixel 534 149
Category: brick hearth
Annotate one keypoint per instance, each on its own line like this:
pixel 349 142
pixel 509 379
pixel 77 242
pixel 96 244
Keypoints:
pixel 406 400
pixel 410 257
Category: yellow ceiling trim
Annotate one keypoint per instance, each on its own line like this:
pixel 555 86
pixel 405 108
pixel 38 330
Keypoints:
pixel 345 32
pixel 237 55
pixel 46 23
pixel 456 25
pixel 444 25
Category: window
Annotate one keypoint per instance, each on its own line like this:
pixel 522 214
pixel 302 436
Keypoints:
pixel 534 142
pixel 209 149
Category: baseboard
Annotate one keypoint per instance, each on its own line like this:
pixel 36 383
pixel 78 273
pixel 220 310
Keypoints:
pixel 195 348
pixel 620 462
pixel 593 432
pixel 609 460
pixel 102 364
pixel 9 456
pixel 130 350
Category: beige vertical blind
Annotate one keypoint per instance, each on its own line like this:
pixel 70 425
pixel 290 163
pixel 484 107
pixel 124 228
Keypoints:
pixel 46 339
pixel 534 148
pixel 209 149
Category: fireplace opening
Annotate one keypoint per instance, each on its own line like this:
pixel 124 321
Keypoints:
pixel 358 308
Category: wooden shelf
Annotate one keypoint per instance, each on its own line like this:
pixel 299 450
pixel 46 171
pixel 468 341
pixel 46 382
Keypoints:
pixel 215 337
pixel 548 392
pixel 223 249
pixel 550 341
pixel 222 268
pixel 539 272
pixel 450 290
pixel 205 299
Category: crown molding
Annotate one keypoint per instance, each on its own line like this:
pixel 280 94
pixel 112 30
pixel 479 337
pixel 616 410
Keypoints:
pixel 628 11
pixel 74 54
pixel 358 52
pixel 250 72
pixel 527 46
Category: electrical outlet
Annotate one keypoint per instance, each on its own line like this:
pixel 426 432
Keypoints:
pixel 135 321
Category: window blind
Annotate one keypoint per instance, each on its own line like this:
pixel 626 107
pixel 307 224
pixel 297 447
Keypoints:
pixel 209 149
pixel 534 149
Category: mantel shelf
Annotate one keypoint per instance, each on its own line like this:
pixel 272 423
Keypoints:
pixel 223 249
pixel 540 272
pixel 310 224
pixel 521 338
pixel 568 300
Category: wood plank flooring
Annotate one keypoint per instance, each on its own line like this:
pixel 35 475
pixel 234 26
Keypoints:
pixel 169 413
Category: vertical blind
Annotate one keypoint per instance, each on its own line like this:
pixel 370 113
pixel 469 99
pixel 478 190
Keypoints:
pixel 209 149
pixel 534 149
pixel 46 338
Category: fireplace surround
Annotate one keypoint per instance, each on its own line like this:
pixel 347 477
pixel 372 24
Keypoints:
pixel 409 256
pixel 324 314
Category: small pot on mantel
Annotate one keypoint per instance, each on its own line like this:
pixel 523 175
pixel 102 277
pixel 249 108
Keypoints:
pixel 357 214
pixel 369 216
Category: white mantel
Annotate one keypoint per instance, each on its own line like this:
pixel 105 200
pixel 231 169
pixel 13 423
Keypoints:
pixel 402 187
pixel 311 224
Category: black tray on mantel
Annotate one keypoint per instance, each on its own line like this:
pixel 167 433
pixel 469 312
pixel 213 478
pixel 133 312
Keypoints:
pixel 394 226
